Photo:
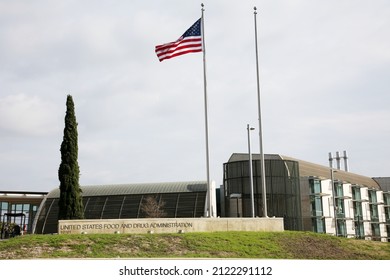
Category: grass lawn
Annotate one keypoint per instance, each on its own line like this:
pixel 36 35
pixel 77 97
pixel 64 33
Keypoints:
pixel 259 245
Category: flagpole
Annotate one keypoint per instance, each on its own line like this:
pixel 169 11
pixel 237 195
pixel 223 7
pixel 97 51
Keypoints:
pixel 263 181
pixel 209 209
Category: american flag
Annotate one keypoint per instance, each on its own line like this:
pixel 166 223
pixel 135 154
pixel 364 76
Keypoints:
pixel 189 42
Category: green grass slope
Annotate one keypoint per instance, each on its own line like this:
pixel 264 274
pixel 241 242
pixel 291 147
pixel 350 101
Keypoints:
pixel 259 245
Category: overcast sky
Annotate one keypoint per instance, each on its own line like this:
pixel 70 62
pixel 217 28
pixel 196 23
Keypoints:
pixel 324 74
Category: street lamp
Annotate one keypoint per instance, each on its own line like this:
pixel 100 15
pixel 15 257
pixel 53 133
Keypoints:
pixel 250 170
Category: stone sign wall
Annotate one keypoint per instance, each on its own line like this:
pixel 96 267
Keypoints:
pixel 169 225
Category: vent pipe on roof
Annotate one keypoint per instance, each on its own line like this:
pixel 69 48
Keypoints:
pixel 345 161
pixel 338 158
pixel 330 160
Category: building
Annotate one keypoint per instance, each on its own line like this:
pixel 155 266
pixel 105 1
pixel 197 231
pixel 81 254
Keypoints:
pixel 283 189
pixel 178 200
pixel 308 196
pixel 19 202
pixel 303 193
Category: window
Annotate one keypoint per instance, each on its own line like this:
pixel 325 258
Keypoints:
pixel 372 196
pixel 375 232
pixel 359 229
pixel 356 194
pixel 338 189
pixel 3 207
pixel 373 206
pixel 340 208
pixel 316 206
pixel 358 219
pixel 341 228
pixel 387 214
pixel 339 200
pixel 374 213
pixel 315 186
pixel 3 210
pixel 357 209
pixel 318 225
pixel 315 199
pixel 386 199
pixel 358 212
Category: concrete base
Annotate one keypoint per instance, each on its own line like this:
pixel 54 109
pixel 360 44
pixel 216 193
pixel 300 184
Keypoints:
pixel 169 225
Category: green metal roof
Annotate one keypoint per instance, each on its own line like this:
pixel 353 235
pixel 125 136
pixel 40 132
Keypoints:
pixel 142 188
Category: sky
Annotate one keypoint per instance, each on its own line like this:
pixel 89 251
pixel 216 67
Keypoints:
pixel 324 86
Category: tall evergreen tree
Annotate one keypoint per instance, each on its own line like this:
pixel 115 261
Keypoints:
pixel 70 202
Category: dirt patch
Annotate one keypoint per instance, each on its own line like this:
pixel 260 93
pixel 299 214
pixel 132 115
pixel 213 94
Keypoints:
pixel 310 247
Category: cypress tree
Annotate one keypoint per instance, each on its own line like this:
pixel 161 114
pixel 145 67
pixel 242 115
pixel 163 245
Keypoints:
pixel 70 203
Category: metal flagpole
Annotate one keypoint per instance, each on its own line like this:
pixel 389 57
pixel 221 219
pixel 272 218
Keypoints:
pixel 264 188
pixel 209 196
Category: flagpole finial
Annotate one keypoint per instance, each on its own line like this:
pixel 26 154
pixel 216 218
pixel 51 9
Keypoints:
pixel 202 5
pixel 255 9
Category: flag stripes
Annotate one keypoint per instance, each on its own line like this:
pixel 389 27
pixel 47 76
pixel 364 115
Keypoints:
pixel 180 47
pixel 189 42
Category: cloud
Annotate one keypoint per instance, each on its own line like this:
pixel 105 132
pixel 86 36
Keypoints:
pixel 26 115
pixel 324 68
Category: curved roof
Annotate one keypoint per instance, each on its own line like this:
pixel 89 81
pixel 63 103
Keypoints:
pixel 308 169
pixel 142 188
pixel 243 156
pixel 384 182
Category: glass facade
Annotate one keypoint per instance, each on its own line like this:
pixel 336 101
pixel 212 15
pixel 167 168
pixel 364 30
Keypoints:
pixel 373 206
pixel 386 201
pixel 4 208
pixel 28 209
pixel 339 198
pixel 374 215
pixel 283 190
pixel 358 212
pixel 318 222
pixel 340 208
pixel 176 205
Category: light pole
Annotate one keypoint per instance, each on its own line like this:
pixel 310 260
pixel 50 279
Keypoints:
pixel 332 171
pixel 251 170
